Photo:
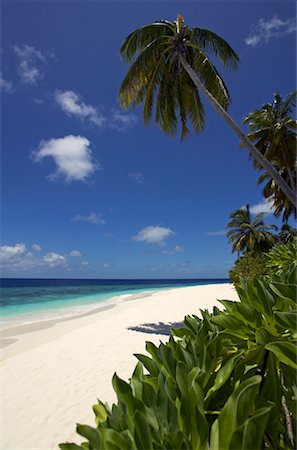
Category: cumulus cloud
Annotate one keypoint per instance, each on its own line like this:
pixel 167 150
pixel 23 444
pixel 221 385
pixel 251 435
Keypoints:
pixel 122 121
pixel 216 233
pixel 5 86
pixel 9 252
pixel 36 247
pixel 72 104
pixel 264 30
pixel 153 235
pixel 72 156
pixel 54 260
pixel 30 63
pixel 95 218
pixel 75 254
pixel 137 177
pixel 265 207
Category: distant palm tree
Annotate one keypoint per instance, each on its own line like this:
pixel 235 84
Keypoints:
pixel 287 233
pixel 273 130
pixel 169 67
pixel 246 234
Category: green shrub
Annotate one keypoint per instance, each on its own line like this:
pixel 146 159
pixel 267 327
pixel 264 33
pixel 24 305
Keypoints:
pixel 281 259
pixel 225 381
pixel 250 266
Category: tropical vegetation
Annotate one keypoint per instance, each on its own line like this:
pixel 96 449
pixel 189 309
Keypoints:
pixel 170 67
pixel 223 381
pixel 250 266
pixel 287 233
pixel 273 130
pixel 247 234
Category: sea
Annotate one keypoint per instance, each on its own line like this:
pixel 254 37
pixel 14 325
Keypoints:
pixel 25 301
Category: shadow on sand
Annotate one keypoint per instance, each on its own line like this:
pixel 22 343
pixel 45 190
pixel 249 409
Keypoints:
pixel 157 328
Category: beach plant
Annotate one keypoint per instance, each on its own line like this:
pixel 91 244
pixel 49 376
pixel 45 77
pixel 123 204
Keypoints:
pixel 281 259
pixel 273 130
pixel 226 380
pixel 249 266
pixel 247 234
pixel 170 66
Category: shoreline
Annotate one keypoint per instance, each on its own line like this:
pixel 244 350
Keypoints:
pixel 58 372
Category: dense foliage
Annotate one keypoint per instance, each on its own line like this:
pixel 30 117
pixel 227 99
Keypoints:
pixel 249 266
pixel 277 262
pixel 282 258
pixel 226 380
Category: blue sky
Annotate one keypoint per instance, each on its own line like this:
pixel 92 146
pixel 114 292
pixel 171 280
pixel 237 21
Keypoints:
pixel 88 190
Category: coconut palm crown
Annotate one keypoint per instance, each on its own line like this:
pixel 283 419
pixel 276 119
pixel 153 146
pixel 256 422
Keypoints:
pixel 247 234
pixel 273 130
pixel 170 67
pixel 156 75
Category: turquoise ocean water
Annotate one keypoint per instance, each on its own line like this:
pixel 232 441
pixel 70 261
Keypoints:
pixel 32 300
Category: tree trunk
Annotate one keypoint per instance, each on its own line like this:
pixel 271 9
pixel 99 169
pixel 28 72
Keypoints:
pixel 291 194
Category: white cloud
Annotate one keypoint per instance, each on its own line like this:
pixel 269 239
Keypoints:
pixel 122 121
pixel 265 207
pixel 153 235
pixel 137 177
pixel 176 249
pixel 264 30
pixel 72 156
pixel 5 86
pixel 84 263
pixel 216 233
pixel 7 252
pixel 36 247
pixel 75 254
pixel 71 103
pixel 95 218
pixel 31 62
pixel 54 260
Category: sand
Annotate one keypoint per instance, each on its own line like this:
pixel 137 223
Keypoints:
pixel 53 372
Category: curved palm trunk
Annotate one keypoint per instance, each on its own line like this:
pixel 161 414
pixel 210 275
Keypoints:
pixel 291 194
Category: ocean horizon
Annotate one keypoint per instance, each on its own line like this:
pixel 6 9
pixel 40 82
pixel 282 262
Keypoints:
pixel 28 300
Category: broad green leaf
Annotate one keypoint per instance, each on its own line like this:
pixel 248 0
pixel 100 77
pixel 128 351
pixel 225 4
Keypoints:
pixel 149 364
pixel 224 373
pixel 228 322
pixel 287 320
pixel 250 435
pixel 91 434
pixel 70 446
pixel 100 413
pixel 234 413
pixel 142 432
pixel 263 337
pixel 123 391
pixel 113 440
pixel 286 352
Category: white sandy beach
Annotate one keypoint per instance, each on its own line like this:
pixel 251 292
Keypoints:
pixel 51 376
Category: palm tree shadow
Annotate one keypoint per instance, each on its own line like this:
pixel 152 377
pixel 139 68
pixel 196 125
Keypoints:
pixel 157 328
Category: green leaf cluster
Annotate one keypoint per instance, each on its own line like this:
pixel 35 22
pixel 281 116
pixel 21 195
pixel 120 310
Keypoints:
pixel 281 259
pixel 224 381
pixel 279 262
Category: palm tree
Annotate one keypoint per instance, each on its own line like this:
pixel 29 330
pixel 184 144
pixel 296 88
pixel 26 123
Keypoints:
pixel 246 234
pixel 287 233
pixel 169 67
pixel 272 129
